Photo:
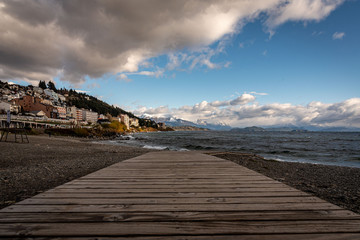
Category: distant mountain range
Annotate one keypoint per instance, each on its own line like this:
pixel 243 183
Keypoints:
pixel 177 122
pixel 295 129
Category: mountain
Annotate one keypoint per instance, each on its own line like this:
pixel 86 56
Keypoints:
pixel 248 129
pixel 177 122
pixel 291 128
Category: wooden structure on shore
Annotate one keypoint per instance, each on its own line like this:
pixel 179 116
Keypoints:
pixel 19 134
pixel 177 195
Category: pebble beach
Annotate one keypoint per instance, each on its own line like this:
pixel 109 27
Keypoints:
pixel 44 163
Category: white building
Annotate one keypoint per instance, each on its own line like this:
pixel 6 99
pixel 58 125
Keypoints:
pixel 89 116
pixel 38 90
pixel 71 112
pixel 62 98
pixel 4 106
pixel 125 120
pixel 52 95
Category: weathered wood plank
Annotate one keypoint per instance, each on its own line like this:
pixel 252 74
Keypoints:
pixel 334 236
pixel 211 207
pixel 176 216
pixel 172 186
pixel 175 190
pixel 94 201
pixel 175 228
pixel 56 194
pixel 174 177
pixel 164 182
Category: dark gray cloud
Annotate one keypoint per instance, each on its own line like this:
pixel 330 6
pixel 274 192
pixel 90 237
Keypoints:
pixel 41 39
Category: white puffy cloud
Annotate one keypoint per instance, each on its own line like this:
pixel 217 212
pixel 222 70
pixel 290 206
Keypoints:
pixel 338 35
pixel 301 10
pixel 74 39
pixel 248 113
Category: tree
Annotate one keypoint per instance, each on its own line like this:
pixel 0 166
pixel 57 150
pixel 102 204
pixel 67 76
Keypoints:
pixel 42 84
pixel 51 86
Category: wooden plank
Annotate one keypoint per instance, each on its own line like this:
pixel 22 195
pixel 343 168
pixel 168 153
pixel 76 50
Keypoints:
pixel 55 194
pixel 167 186
pixel 52 217
pixel 95 201
pixel 171 207
pixel 174 228
pixel 175 190
pixel 334 236
pixel 164 182
pixel 174 177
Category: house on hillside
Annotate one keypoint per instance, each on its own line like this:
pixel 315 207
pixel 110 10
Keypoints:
pixel 89 116
pixel 124 118
pixel 4 107
pixel 30 103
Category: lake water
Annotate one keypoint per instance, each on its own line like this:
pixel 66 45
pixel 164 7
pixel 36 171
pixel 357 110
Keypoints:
pixel 330 148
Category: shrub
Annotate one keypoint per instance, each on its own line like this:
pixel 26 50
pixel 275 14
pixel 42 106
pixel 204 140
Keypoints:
pixel 81 132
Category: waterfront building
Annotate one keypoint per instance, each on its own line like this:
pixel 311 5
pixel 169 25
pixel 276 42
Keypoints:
pixel 89 116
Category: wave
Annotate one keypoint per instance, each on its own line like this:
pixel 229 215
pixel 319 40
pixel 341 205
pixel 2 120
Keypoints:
pixel 164 148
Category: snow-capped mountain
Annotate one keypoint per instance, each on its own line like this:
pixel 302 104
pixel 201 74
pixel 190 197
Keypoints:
pixel 177 122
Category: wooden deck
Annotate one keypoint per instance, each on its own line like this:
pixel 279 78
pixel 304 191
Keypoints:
pixel 177 195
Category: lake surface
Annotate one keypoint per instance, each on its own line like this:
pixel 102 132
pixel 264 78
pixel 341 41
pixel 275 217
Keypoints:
pixel 330 148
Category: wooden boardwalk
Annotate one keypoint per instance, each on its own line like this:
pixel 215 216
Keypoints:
pixel 177 195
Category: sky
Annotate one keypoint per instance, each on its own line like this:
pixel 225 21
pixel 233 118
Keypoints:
pixel 240 63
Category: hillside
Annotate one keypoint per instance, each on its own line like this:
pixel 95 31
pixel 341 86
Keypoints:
pixel 73 98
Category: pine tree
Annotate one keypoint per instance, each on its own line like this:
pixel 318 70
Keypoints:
pixel 51 86
pixel 42 84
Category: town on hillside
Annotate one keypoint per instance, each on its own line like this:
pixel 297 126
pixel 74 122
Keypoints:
pixel 44 106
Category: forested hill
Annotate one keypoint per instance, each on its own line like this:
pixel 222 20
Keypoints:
pixel 82 100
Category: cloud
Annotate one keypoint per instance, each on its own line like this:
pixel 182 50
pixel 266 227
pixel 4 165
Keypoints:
pixel 77 39
pixel 243 99
pixel 247 112
pixel 260 94
pixel 81 91
pixel 301 10
pixel 338 35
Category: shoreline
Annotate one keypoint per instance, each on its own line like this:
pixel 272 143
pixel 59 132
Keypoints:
pixel 44 163
pixel 336 184
pixel 27 169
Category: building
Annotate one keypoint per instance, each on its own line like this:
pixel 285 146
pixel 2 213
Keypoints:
pixel 125 120
pixel 71 112
pixel 79 115
pixel 61 112
pixel 30 103
pixel 38 90
pixel 46 102
pixel 51 94
pixel 162 125
pixel 62 98
pixel 134 122
pixel 4 107
pixel 89 116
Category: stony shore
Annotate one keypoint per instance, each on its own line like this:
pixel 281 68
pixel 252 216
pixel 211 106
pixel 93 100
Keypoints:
pixel 44 163
pixel 338 185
